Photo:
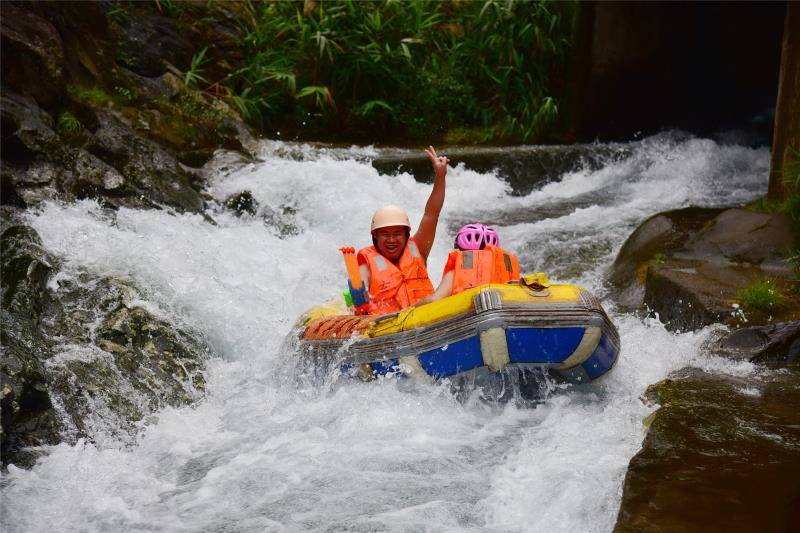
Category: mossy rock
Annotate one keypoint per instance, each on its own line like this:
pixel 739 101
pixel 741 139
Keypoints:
pixel 689 266
pixel 722 454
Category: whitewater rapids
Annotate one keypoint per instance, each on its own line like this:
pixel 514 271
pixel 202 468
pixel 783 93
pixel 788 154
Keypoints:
pixel 267 450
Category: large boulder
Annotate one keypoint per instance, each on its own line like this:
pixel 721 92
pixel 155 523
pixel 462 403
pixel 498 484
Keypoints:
pixel 149 169
pixel 688 295
pixel 80 358
pixel 721 454
pixel 688 266
pixel 739 236
pixel 654 239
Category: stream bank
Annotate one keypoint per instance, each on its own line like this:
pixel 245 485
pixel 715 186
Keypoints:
pixel 722 452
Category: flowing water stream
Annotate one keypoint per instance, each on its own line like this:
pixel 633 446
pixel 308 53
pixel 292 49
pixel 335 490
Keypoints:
pixel 267 450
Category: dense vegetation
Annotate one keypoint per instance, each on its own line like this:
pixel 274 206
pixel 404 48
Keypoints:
pixel 479 70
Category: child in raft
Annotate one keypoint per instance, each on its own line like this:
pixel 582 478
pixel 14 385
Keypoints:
pixel 476 260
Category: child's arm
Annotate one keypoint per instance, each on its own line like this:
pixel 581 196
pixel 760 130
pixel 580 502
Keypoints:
pixel 444 290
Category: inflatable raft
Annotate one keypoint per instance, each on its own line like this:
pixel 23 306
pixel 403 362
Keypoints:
pixel 528 324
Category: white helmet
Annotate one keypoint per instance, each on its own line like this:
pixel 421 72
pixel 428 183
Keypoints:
pixel 389 215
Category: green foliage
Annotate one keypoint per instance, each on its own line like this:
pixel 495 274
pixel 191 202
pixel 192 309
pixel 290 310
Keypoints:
pixel 123 57
pixel 68 123
pixel 761 295
pixel 99 97
pixel 125 96
pixel 194 74
pixel 249 107
pixel 765 205
pixel 170 8
pixel 93 95
pixel 117 12
pixel 419 66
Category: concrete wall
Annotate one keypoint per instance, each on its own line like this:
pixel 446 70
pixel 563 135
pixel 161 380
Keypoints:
pixel 646 66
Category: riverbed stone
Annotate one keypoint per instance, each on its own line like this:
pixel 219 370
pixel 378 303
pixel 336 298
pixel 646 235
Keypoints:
pixel 721 454
pixel 690 294
pixel 133 131
pixel 27 129
pixel 242 203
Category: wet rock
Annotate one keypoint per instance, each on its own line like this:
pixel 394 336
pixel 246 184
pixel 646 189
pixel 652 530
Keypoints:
pixel 79 358
pixel 27 129
pixel 242 203
pixel 774 343
pixel 137 121
pixel 281 220
pixel 83 29
pixel 722 454
pixel 741 236
pixel 688 295
pixel 150 43
pixel 28 417
pixel 33 55
pixel 649 244
pixel 132 365
pixel 27 132
pixel 687 266
pixel 149 170
pixel 117 166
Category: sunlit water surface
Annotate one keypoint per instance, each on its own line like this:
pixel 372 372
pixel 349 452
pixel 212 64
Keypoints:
pixel 268 450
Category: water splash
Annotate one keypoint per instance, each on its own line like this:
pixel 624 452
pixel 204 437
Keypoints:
pixel 268 451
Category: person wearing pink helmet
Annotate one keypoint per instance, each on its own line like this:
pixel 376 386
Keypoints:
pixel 394 267
pixel 476 260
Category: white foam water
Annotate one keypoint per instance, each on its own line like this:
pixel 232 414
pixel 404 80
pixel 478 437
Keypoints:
pixel 267 450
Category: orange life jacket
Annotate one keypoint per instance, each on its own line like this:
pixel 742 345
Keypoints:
pixel 473 268
pixel 394 287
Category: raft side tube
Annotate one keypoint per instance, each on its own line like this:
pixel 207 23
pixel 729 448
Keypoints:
pixel 566 331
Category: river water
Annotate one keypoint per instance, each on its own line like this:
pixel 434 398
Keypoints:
pixel 267 450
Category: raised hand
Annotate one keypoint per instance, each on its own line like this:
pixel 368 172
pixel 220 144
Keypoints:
pixel 439 162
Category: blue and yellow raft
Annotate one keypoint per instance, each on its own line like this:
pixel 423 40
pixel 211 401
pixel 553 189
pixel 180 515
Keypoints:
pixel 561 329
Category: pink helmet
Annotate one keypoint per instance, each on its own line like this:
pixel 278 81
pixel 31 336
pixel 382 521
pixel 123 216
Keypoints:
pixel 490 236
pixel 476 237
